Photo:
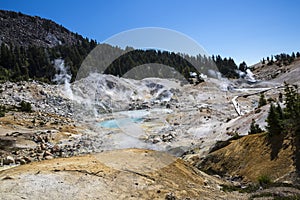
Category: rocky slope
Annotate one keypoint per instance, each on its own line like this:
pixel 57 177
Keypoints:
pixel 252 157
pixel 264 166
pixel 138 176
pixel 23 30
pixel 278 73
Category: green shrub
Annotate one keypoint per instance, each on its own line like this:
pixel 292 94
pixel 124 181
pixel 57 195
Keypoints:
pixel 264 180
pixel 25 106
pixel 2 110
pixel 236 136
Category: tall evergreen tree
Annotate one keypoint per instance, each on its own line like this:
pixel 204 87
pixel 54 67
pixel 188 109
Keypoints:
pixel 273 127
pixel 292 103
pixel 279 112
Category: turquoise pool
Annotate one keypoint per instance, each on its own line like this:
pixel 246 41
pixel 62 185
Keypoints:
pixel 116 123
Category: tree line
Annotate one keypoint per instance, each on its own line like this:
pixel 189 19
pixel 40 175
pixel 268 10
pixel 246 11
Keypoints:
pixel 18 63
pixel 282 59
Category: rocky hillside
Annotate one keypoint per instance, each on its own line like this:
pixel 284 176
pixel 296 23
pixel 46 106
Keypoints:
pixel 30 46
pixel 278 72
pixel 257 163
pixel 23 30
pixel 254 156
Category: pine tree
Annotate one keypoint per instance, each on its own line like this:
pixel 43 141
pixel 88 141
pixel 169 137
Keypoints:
pixel 254 128
pixel 293 55
pixel 262 100
pixel 280 97
pixel 292 106
pixel 279 111
pixel 273 127
pixel 243 66
pixel 292 109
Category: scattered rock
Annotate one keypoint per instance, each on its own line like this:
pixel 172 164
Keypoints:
pixel 167 137
pixel 170 196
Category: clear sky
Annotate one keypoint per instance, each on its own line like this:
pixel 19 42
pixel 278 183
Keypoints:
pixel 242 29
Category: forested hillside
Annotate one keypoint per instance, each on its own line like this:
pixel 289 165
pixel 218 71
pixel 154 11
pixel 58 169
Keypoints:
pixel 29 46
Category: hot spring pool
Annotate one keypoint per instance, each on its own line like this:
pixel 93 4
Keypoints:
pixel 116 123
pixel 124 118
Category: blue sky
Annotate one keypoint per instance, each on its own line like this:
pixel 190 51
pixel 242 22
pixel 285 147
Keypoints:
pixel 242 29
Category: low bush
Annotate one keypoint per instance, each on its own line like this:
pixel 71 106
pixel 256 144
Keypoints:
pixel 264 180
pixel 25 106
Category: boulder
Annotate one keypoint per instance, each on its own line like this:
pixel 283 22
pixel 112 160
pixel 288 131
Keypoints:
pixel 49 157
pixel 8 160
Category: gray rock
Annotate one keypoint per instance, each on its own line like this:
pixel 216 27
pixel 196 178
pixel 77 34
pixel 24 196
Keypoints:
pixel 156 140
pixel 28 159
pixel 8 160
pixel 22 161
pixel 49 157
pixel 47 153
